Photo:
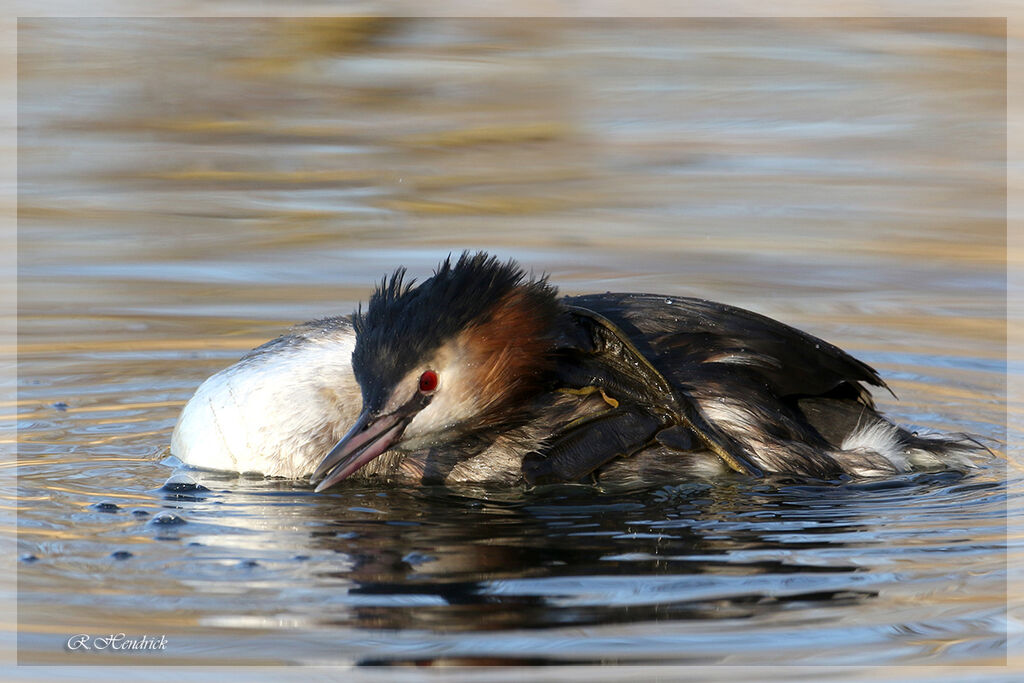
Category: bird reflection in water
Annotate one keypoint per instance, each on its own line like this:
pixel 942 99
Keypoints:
pixel 438 559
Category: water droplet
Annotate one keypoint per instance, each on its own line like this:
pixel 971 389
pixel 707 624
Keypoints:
pixel 167 519
pixel 120 554
pixel 105 507
pixel 182 483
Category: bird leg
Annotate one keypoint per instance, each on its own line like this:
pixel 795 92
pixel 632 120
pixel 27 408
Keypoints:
pixel 676 437
pixel 601 355
pixel 589 443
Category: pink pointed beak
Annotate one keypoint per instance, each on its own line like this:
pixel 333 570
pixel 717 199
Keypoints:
pixel 370 436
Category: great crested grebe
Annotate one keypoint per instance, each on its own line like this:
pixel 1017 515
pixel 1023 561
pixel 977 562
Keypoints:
pixel 481 373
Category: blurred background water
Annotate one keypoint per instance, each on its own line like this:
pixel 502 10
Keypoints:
pixel 188 188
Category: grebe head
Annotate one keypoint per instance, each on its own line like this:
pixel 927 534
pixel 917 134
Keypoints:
pixel 461 352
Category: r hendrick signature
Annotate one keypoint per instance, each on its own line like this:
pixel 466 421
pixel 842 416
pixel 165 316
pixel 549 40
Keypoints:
pixel 116 641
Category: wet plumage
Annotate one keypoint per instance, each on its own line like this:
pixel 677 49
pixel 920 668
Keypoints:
pixel 481 373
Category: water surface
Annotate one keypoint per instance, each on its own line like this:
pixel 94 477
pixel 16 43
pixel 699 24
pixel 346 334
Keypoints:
pixel 189 188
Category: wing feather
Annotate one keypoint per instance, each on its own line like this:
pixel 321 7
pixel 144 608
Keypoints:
pixel 695 339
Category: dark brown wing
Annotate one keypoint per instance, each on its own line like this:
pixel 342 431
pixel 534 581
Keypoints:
pixel 683 336
pixel 762 395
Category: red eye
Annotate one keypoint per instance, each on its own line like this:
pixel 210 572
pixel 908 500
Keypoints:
pixel 428 382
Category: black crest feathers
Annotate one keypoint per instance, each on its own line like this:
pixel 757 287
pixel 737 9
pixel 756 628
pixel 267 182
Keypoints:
pixel 404 323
